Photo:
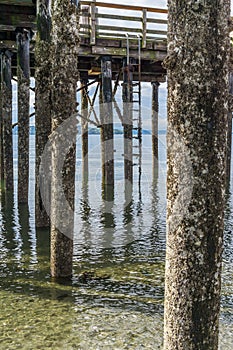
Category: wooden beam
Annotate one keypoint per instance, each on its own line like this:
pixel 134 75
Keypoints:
pixel 14 9
pixel 99 50
pixel 130 29
pixel 145 55
pixel 129 18
pixel 124 7
pixel 17 20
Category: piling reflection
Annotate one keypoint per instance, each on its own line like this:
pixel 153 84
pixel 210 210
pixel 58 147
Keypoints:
pixel 83 228
pixel 157 229
pixel 8 223
pixel 84 124
pixel 24 228
pixel 43 251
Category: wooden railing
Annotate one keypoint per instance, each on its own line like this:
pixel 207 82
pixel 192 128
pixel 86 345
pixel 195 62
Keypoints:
pixel 115 21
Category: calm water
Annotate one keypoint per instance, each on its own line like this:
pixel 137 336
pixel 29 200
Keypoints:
pixel 121 246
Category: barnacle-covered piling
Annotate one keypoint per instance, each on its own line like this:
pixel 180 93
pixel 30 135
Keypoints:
pixel 65 42
pixel 42 102
pixel 1 126
pixel 197 66
pixel 23 75
pixel 7 145
pixel 107 127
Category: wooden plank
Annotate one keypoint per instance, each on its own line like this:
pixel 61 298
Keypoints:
pixel 156 21
pixel 85 51
pixel 130 18
pixel 132 37
pixel 145 55
pixel 118 17
pixel 7 28
pixel 18 2
pixel 84 35
pixel 129 30
pixel 125 7
pixel 118 29
pixel 113 51
pixel 109 36
pixel 156 32
pixel 12 28
pixel 23 10
pixel 108 42
pixel 16 19
pixel 162 47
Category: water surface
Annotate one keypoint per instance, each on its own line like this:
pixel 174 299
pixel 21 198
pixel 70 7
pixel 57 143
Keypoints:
pixel 115 299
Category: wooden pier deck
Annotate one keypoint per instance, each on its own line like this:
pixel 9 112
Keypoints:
pixel 104 30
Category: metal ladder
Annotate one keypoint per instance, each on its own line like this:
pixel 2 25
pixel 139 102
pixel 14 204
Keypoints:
pixel 137 115
pixel 136 108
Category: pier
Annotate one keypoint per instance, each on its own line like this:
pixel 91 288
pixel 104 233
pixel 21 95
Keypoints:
pixel 116 204
pixel 109 46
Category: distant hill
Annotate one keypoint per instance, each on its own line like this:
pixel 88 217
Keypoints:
pixel 94 131
pixel 32 130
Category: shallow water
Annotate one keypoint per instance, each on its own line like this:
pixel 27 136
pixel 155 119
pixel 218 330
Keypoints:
pixel 118 302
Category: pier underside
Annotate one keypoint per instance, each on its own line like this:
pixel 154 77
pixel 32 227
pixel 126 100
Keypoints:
pixel 15 15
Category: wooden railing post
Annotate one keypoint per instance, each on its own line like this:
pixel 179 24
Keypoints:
pixel 100 29
pixel 84 19
pixel 93 24
pixel 144 16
